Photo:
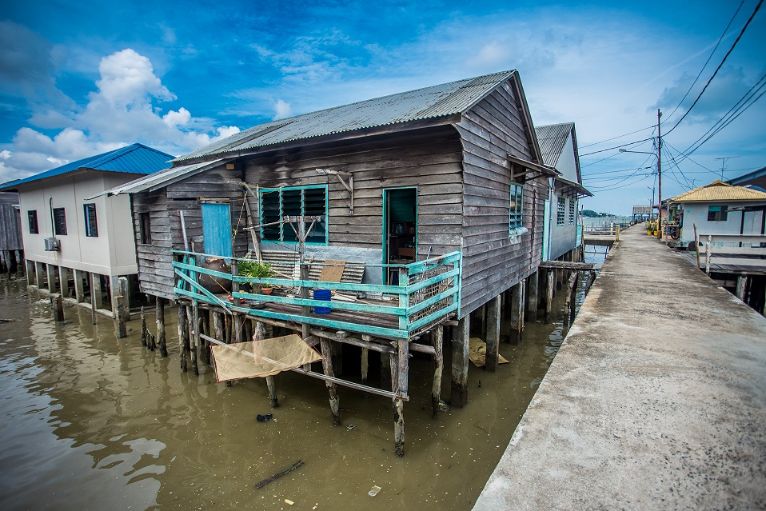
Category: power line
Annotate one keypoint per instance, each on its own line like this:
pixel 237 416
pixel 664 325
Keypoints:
pixel 618 136
pixel 718 68
pixel 725 30
pixel 628 144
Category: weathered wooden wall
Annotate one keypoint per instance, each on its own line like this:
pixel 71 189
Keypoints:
pixel 492 262
pixel 10 222
pixel 427 159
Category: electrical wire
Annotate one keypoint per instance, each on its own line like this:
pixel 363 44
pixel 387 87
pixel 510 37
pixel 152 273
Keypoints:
pixel 718 68
pixel 628 144
pixel 619 136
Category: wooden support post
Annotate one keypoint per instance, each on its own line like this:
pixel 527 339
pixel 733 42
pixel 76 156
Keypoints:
pixel 144 340
pixel 517 310
pixel 38 274
pixel 64 281
pixel 93 288
pixel 493 333
pixel 365 364
pixel 120 305
pixel 460 342
pixel 57 303
pixel 552 277
pixel 79 287
pixel 437 339
pixel 326 349
pixel 385 371
pixel 741 290
pixel 259 333
pixel 183 335
pixel 30 267
pixel 533 300
pixel 160 324
pixel 204 327
pixel 401 389
pixel 194 337
pixel 50 271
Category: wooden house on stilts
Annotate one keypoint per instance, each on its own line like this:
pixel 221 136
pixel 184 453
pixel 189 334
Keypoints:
pixel 415 210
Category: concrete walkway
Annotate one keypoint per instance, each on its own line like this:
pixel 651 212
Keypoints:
pixel 657 399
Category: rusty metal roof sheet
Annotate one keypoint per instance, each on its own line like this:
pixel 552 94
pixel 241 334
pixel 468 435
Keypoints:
pixel 719 191
pixel 427 103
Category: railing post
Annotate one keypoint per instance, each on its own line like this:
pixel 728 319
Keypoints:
pixel 404 298
pixel 708 254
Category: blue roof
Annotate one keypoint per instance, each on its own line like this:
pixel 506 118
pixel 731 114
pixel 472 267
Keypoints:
pixel 132 159
pixel 744 178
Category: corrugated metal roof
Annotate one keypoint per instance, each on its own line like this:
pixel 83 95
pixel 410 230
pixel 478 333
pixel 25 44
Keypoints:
pixel 552 138
pixel 427 103
pixel 164 178
pixel 132 159
pixel 719 191
pixel 745 178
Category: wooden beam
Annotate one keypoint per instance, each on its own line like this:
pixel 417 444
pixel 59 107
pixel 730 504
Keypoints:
pixel 493 333
pixel 326 350
pixel 533 300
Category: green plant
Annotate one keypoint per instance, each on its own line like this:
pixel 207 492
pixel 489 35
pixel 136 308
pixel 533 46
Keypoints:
pixel 255 270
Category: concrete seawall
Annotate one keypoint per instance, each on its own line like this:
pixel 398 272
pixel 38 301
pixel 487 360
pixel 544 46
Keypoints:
pixel 656 400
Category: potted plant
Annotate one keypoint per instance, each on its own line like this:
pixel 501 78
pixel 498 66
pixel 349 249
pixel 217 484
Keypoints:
pixel 256 270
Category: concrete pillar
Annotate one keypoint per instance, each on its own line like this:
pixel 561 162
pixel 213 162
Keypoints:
pixel 64 281
pixel 30 272
pixel 550 283
pixel 50 271
pixel 39 272
pixel 741 290
pixel 460 341
pixel 517 310
pixel 97 294
pixel 533 299
pixel 493 332
pixel 79 291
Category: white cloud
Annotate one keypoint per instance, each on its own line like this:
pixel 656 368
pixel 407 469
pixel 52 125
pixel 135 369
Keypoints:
pixel 123 109
pixel 282 109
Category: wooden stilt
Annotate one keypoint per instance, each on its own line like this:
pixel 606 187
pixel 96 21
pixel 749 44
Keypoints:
pixel 194 337
pixel 205 329
pixel 93 291
pixel 460 338
pixel 493 333
pixel 326 349
pixel 385 371
pixel 437 339
pixel 550 283
pixel 183 335
pixel 517 311
pixel 159 307
pixel 57 301
pixel 96 294
pixel 144 342
pixel 120 306
pixel 400 377
pixel 533 300
pixel 741 290
pixel 259 333
pixel 365 364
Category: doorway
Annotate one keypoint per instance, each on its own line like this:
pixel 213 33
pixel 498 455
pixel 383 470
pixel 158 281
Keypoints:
pixel 216 228
pixel 400 229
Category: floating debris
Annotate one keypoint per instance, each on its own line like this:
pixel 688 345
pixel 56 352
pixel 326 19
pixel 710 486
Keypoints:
pixel 374 490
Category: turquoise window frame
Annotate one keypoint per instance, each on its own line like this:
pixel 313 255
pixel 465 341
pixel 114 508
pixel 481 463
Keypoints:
pixel 325 223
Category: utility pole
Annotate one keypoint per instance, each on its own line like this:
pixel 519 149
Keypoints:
pixel 659 172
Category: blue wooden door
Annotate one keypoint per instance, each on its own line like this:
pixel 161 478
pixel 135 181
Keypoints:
pixel 216 229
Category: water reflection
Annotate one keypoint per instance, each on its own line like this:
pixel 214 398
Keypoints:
pixel 95 422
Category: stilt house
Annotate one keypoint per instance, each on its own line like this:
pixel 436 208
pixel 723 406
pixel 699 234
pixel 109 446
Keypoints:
pixel 11 247
pixel 429 203
pixel 77 241
pixel 558 144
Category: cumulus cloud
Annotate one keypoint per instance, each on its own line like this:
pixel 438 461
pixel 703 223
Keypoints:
pixel 282 109
pixel 124 108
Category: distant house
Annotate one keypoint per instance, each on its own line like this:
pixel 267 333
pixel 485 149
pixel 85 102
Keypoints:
pixel 719 208
pixel 11 247
pixel 755 180
pixel 74 236
pixel 558 145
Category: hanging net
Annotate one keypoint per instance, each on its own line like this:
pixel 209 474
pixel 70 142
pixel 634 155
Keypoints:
pixel 265 357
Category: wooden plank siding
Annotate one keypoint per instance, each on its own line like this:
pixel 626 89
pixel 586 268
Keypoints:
pixel 10 222
pixel 492 263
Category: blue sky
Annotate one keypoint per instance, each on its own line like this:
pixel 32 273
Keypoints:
pixel 81 77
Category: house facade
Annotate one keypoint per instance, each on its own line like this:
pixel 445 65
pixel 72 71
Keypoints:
pixel 75 237
pixel 558 144
pixel 719 208
pixel 11 246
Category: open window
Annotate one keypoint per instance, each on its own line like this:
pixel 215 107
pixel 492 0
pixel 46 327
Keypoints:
pixel 32 220
pixel 91 224
pixel 276 203
pixel 59 221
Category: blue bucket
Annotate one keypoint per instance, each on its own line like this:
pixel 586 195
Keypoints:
pixel 324 295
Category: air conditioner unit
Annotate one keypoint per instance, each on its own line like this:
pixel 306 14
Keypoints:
pixel 52 245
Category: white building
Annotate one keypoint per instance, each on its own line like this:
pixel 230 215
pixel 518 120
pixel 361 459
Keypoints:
pixel 720 208
pixel 558 145
pixel 76 238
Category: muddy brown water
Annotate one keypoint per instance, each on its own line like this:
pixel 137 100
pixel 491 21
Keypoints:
pixel 92 422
